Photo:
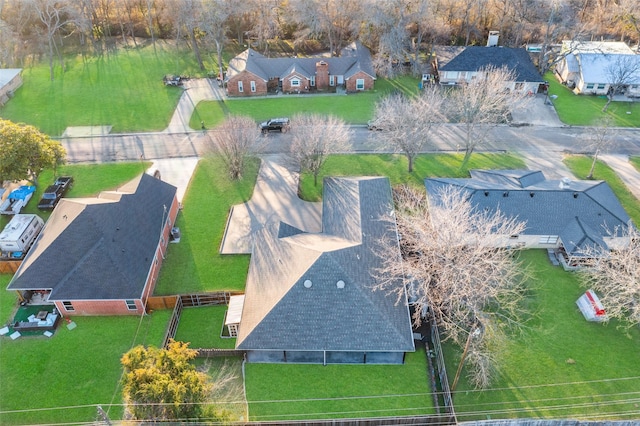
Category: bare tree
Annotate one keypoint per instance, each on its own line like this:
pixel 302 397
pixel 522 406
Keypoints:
pixel 614 276
pixel 481 104
pixel 54 16
pixel 235 140
pixel 457 265
pixel 314 138
pixel 621 72
pixel 599 139
pixel 407 123
pixel 214 24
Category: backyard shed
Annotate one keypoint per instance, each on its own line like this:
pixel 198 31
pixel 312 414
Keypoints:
pixel 10 80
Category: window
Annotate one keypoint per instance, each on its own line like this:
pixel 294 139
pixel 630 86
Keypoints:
pixel 68 306
pixel 601 86
pixel 590 86
pixel 519 86
pixel 312 82
pixel 131 305
pixel 240 87
pixel 548 239
pixel 332 80
pixel 360 84
pixel 295 82
pixel 253 86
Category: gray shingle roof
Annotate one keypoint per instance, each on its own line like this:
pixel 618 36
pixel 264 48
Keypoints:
pixel 100 248
pixel 474 58
pixel 282 313
pixel 355 57
pixel 547 206
pixel 578 238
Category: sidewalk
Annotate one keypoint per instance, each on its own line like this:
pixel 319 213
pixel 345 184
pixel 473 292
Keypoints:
pixel 195 91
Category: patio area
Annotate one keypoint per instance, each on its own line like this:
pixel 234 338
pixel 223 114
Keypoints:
pixel 32 320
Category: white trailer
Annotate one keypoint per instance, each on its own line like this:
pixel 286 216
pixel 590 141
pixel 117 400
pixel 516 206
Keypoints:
pixel 19 234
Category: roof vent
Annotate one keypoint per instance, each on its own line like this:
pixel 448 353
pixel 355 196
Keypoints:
pixel 531 194
pixel 486 193
pixel 340 284
pixel 505 194
pixel 307 283
pixel 566 181
pixel 575 195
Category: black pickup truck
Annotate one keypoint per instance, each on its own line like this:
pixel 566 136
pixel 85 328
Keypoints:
pixel 55 192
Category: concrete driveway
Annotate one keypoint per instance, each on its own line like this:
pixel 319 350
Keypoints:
pixel 536 112
pixel 275 198
pixel 176 171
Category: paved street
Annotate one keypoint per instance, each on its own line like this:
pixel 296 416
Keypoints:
pixel 539 138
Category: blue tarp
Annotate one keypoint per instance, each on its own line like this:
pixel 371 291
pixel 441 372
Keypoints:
pixel 22 192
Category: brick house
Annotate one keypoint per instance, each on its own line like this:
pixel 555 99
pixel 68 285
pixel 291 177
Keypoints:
pixel 253 74
pixel 101 256
pixel 311 297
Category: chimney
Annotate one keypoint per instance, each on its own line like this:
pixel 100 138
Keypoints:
pixel 493 38
pixel 322 75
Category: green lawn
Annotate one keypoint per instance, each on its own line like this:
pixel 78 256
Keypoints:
pixel 563 366
pixel 395 167
pixel 123 89
pixel 195 264
pixel 355 108
pixel 580 165
pixel 586 110
pixel 294 392
pixel 77 369
pixel 202 327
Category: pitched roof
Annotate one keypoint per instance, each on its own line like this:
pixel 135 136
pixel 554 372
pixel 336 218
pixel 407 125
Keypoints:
pixel 355 57
pixel 595 67
pixel 99 248
pixel 579 239
pixel 615 47
pixel 7 74
pixel 315 291
pixel 547 206
pixel 475 58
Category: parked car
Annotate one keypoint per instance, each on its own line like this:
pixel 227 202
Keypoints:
pixel 275 125
pixel 55 192
pixel 374 125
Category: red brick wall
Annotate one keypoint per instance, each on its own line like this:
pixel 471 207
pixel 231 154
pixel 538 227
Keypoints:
pixel 351 82
pixel 322 75
pixel 288 88
pixel 99 307
pixel 246 77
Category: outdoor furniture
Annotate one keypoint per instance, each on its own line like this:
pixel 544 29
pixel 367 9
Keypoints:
pixel 42 315
pixel 15 335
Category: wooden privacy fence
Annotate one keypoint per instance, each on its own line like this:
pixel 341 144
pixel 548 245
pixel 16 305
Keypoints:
pixel 9 266
pixel 161 302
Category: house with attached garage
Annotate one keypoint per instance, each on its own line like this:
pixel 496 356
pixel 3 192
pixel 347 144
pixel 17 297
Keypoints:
pixel 253 74
pixel 101 256
pixel 311 297
pixel 589 67
pixel 471 62
pixel 570 217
